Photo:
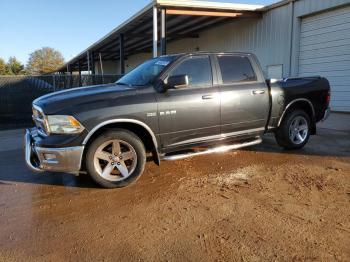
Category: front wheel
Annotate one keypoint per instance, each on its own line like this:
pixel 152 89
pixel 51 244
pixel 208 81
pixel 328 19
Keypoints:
pixel 294 131
pixel 116 158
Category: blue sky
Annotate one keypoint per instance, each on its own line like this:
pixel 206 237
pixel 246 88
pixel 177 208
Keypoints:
pixel 69 26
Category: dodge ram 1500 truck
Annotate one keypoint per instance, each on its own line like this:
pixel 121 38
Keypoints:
pixel 171 107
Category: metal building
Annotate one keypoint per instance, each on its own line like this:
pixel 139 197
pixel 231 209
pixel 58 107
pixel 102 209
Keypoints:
pixel 290 38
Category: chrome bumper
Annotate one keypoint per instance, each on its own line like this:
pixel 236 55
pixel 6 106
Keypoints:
pixel 40 159
pixel 326 114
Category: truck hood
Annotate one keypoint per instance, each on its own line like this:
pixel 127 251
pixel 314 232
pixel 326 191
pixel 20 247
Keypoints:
pixel 67 101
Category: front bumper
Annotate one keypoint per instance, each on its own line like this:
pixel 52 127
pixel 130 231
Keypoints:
pixel 39 159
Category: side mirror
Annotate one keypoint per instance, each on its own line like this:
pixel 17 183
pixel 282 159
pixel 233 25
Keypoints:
pixel 177 81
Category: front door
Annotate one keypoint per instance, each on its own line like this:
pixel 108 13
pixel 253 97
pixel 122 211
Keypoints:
pixel 244 96
pixel 191 114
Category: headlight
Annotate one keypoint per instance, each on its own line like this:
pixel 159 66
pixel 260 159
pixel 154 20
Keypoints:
pixel 60 124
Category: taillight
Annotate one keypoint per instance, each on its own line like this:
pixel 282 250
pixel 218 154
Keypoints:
pixel 328 99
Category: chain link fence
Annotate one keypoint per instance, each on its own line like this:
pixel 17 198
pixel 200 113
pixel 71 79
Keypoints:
pixel 18 92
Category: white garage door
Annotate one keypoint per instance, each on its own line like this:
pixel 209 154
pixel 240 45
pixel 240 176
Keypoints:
pixel 325 51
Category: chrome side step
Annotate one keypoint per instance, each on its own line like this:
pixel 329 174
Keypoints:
pixel 219 149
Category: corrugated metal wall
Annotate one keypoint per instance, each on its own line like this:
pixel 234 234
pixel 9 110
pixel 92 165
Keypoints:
pixel 270 37
pixel 247 35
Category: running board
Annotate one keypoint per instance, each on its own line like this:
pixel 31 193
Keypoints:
pixel 220 149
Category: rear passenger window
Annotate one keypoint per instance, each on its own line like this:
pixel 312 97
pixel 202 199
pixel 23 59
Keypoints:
pixel 236 69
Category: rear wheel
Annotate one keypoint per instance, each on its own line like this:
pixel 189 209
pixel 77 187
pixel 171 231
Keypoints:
pixel 116 158
pixel 294 131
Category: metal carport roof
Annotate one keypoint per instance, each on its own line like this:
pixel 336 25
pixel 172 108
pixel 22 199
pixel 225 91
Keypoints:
pixel 184 19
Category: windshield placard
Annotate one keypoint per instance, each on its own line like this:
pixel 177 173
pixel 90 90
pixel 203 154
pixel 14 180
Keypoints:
pixel 162 63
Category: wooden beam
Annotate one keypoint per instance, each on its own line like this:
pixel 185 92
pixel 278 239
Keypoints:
pixel 201 13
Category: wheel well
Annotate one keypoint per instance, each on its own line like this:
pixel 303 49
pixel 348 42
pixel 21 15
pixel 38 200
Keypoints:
pixel 138 130
pixel 306 107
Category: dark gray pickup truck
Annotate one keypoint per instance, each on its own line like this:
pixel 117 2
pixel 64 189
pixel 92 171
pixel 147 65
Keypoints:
pixel 169 108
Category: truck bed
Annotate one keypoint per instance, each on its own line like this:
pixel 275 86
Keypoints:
pixel 284 92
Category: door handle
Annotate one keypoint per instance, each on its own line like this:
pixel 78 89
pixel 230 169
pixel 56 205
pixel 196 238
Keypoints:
pixel 206 97
pixel 258 92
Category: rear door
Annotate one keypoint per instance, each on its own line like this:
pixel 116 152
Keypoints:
pixel 244 95
pixel 191 114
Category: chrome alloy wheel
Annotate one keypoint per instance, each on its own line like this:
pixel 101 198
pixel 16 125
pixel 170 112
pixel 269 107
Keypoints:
pixel 298 130
pixel 115 160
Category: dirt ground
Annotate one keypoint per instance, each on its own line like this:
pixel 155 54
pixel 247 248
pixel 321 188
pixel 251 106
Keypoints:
pixel 262 203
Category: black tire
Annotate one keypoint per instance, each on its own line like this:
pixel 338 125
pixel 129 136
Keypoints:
pixel 282 134
pixel 124 136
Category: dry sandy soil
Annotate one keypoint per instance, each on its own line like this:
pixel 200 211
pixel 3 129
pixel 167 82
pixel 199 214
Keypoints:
pixel 251 205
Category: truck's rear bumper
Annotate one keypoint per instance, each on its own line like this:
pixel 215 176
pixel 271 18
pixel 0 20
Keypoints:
pixel 40 159
pixel 326 114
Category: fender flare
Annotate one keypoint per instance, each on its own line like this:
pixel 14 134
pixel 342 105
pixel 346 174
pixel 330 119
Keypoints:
pixel 127 120
pixel 293 102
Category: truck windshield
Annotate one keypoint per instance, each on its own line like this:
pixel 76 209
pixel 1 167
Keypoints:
pixel 145 73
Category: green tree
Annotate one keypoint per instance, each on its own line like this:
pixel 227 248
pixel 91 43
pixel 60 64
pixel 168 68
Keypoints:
pixel 14 67
pixel 2 67
pixel 44 60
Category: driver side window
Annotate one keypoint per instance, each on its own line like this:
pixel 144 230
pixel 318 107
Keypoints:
pixel 198 70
